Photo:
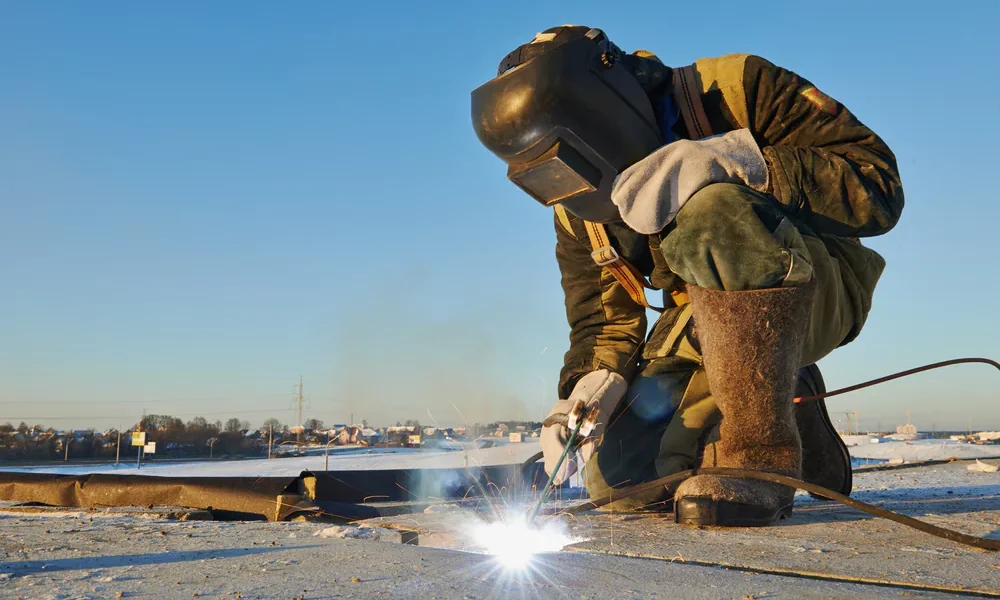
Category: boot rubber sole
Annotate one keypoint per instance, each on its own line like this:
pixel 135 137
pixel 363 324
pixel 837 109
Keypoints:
pixel 703 511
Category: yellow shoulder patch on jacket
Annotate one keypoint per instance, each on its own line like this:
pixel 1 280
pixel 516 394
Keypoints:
pixel 725 73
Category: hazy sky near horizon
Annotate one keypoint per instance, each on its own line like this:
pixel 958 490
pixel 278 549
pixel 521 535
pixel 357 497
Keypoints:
pixel 203 201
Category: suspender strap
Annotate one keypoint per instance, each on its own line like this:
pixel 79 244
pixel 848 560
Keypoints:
pixel 607 257
pixel 688 96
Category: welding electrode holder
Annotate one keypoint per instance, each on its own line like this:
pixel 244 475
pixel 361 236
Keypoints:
pixel 580 423
pixel 570 420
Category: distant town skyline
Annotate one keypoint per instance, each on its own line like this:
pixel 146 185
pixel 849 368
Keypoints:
pixel 846 422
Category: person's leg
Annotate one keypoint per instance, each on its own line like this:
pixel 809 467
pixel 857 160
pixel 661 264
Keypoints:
pixel 641 447
pixel 631 444
pixel 661 419
pixel 729 237
pixel 766 301
pixel 752 345
pixel 727 232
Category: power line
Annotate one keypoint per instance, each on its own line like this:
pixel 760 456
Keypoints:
pixel 298 434
pixel 202 414
pixel 154 401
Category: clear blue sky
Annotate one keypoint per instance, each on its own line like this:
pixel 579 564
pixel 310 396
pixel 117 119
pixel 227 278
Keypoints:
pixel 203 201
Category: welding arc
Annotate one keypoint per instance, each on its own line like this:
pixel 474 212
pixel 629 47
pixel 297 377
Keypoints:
pixel 948 534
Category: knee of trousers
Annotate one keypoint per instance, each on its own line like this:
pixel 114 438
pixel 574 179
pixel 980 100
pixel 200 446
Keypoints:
pixel 717 202
pixel 723 238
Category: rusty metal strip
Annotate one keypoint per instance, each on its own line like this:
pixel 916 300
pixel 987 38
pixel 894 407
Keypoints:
pixel 272 498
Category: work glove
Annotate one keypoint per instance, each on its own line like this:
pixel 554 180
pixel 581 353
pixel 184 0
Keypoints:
pixel 602 390
pixel 651 192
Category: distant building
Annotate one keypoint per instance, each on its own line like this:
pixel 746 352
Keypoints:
pixel 905 433
pixel 401 435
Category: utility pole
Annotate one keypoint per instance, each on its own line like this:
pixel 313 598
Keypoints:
pixel 270 437
pixel 298 434
pixel 118 446
pixel 847 414
pixel 138 459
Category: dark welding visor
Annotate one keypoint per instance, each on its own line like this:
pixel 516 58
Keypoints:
pixel 566 121
pixel 560 173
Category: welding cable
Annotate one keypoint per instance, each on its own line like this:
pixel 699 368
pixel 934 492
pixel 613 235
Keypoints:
pixel 900 375
pixel 860 386
pixel 955 536
pixel 919 463
pixel 948 534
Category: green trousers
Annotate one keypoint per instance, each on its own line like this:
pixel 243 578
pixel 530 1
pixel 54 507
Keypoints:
pixel 726 237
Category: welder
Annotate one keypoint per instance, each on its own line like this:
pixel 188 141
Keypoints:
pixel 741 191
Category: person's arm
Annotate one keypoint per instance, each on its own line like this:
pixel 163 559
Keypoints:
pixel 607 328
pixel 824 166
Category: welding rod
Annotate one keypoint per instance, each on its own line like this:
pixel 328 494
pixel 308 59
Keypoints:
pixel 548 484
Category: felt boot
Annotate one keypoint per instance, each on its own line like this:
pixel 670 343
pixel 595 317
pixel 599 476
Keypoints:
pixel 751 342
pixel 826 461
pixel 825 458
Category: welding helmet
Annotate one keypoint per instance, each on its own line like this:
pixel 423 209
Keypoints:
pixel 567 115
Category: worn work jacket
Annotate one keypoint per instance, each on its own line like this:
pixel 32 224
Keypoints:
pixel 827 170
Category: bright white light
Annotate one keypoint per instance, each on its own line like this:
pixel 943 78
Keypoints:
pixel 515 544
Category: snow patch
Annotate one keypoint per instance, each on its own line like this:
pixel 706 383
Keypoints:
pixel 361 460
pixel 981 467
pixel 354 533
pixel 919 450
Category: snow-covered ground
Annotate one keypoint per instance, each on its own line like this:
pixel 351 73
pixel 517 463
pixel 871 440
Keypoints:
pixel 861 447
pixel 95 556
pixel 101 553
pixel 917 450
pixel 345 460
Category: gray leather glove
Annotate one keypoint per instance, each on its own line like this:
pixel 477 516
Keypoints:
pixel 601 389
pixel 651 192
